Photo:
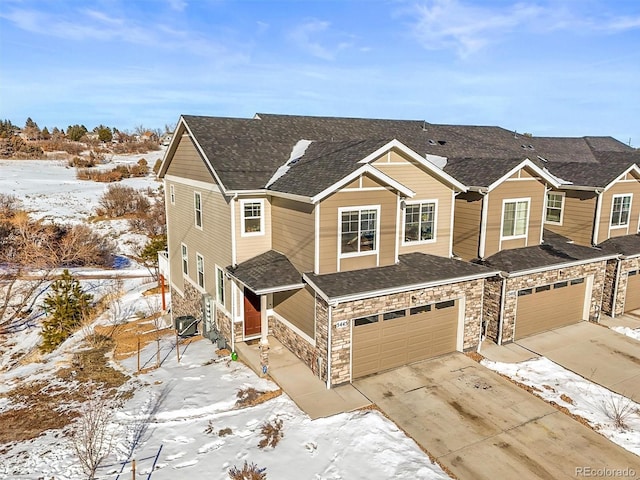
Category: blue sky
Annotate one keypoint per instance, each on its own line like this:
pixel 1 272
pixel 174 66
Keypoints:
pixel 551 67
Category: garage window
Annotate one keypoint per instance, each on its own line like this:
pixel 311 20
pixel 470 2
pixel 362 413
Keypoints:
pixel 420 309
pixel 447 304
pixel 527 291
pixel 560 284
pixel 543 288
pixel 577 281
pixel 632 273
pixel 396 314
pixel 365 320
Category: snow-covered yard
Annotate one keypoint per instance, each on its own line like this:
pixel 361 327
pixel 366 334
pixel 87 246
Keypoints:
pixel 614 416
pixel 629 332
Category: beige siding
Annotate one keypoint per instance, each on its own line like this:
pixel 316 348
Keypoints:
pixel 187 162
pixel 329 230
pixel 466 225
pixel 297 307
pixel 532 189
pixel 622 187
pixel 294 226
pixel 249 246
pixel 213 242
pixel 426 187
pixel 577 217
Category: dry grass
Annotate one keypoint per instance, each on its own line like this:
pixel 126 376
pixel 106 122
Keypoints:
pixel 567 398
pixel 271 434
pixel 248 472
pixel 127 335
pixel 475 356
pixel 249 397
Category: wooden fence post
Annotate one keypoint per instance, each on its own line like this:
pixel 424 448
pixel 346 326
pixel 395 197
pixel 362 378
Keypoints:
pixel 133 469
pixel 138 354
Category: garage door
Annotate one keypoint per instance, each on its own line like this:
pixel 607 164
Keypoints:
pixel 549 306
pixel 632 300
pixel 396 338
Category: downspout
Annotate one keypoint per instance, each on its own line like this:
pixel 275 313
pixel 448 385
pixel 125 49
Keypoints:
pixel 330 321
pixel 615 288
pixel 503 289
pixel 234 259
pixel 596 223
pixel 483 223
pixel 547 189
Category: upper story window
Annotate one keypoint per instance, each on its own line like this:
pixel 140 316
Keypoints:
pixel 515 218
pixel 198 208
pixel 620 210
pixel 172 194
pixel 185 260
pixel 200 268
pixel 420 222
pixel 358 230
pixel 555 202
pixel 220 285
pixel 252 217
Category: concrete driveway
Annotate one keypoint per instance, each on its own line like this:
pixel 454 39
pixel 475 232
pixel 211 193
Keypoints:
pixel 594 352
pixel 482 426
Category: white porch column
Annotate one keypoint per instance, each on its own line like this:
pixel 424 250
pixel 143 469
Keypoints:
pixel 264 331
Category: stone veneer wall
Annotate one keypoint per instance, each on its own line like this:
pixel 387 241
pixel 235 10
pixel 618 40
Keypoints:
pixel 188 304
pixel 597 269
pixel 609 285
pixel 471 291
pixel 626 266
pixel 491 306
pixel 223 323
pixel 309 353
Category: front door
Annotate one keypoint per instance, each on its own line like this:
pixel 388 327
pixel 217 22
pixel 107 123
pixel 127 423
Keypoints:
pixel 252 320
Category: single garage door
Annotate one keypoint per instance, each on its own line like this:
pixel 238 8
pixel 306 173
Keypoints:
pixel 392 339
pixel 549 306
pixel 632 299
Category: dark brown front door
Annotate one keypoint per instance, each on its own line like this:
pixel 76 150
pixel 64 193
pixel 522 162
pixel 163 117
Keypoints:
pixel 252 319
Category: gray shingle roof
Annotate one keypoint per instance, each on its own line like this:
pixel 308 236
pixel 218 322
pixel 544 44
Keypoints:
pixel 269 271
pixel 628 245
pixel 598 174
pixel 553 252
pixel 412 270
pixel 479 172
pixel 324 164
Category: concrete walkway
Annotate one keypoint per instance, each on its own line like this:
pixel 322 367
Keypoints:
pixel 300 384
pixel 481 426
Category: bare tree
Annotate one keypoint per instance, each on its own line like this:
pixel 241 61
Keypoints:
pixel 92 440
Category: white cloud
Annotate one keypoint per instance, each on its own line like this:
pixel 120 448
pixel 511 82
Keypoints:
pixel 302 36
pixel 467 27
pixel 177 5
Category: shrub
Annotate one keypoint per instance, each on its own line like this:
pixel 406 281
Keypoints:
pixel 156 166
pixel 248 472
pixel 271 433
pixel 120 200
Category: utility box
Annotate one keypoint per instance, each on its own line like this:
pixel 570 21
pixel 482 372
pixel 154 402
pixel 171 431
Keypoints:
pixel 186 325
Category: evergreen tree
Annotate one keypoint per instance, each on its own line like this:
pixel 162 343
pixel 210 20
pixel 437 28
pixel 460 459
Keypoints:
pixel 45 134
pixel 31 129
pixel 76 132
pixel 149 253
pixel 66 306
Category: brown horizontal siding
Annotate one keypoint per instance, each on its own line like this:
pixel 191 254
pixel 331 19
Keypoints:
pixel 187 162
pixel 297 307
pixel 329 231
pixel 426 187
pixel 293 225
pixel 578 217
pixel 466 225
pixel 535 191
pixel 620 188
pixel 253 245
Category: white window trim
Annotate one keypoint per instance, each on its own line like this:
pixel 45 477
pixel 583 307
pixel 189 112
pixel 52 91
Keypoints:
pixel 195 211
pixel 184 257
pixel 435 223
pixel 200 261
pixel 613 200
pixel 526 228
pixel 242 218
pixel 359 208
pixel 172 194
pixel 546 205
pixel 218 272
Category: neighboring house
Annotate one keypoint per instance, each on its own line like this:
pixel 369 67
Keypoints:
pixel 366 244
pixel 499 222
pixel 341 249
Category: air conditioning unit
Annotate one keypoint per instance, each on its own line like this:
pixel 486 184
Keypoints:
pixel 186 325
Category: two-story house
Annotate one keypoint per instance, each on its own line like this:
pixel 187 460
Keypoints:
pixel 340 248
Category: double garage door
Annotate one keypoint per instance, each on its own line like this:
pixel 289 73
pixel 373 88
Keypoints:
pixel 632 299
pixel 549 306
pixel 392 339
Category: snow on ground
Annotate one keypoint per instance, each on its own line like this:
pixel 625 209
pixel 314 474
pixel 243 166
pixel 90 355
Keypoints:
pixel 629 332
pixel 581 397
